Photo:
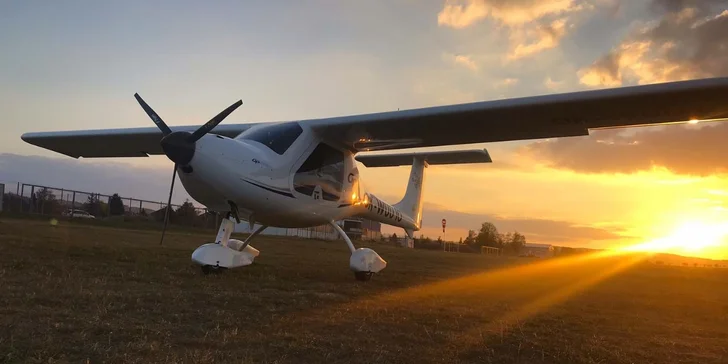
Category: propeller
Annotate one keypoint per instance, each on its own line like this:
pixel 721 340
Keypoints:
pixel 179 146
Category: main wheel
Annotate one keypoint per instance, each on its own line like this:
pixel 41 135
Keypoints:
pixel 212 269
pixel 363 276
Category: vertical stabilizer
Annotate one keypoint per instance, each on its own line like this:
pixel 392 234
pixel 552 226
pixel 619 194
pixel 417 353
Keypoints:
pixel 411 203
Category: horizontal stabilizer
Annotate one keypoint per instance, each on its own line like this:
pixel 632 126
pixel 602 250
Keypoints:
pixel 443 157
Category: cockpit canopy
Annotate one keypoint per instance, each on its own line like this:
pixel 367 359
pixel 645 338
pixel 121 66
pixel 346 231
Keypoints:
pixel 278 137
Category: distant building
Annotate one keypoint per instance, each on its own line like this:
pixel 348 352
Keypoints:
pixel 371 230
pixel 490 250
pixel 537 250
pixel 406 242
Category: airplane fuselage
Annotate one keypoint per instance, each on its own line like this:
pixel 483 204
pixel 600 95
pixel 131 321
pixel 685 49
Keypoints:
pixel 282 175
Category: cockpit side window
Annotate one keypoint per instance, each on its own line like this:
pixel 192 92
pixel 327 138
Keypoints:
pixel 277 137
pixel 323 168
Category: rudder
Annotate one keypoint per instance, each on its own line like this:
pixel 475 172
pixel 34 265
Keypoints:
pixel 412 201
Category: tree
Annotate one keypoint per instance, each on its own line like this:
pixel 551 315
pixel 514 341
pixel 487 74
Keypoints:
pixel 186 214
pixel 116 206
pixel 470 239
pixel 488 236
pixel 393 238
pixel 505 239
pixel 45 201
pixel 94 206
pixel 517 242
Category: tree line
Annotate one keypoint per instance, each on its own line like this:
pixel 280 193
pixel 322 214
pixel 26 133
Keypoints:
pixel 488 235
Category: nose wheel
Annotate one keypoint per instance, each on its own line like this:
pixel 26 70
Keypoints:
pixel 212 269
pixel 363 276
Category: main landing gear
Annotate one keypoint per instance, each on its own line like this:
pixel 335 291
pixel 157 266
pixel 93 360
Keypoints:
pixel 226 253
pixel 364 261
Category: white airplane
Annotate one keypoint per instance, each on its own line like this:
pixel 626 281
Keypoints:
pixel 304 173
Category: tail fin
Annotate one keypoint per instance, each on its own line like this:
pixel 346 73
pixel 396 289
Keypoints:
pixel 411 203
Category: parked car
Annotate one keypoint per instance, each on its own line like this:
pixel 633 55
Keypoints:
pixel 78 213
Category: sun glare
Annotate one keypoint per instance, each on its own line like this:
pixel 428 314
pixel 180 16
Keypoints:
pixel 688 238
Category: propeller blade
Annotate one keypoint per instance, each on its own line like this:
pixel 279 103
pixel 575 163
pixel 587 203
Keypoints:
pixel 204 129
pixel 169 204
pixel 153 115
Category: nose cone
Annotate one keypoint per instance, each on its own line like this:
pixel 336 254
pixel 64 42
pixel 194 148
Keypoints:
pixel 178 148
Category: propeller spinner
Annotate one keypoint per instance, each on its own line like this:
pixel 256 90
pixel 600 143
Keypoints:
pixel 179 146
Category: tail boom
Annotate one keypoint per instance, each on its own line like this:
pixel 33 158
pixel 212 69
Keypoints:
pixel 377 210
pixel 407 213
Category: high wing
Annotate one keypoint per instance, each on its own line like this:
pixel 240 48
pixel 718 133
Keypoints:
pixel 547 116
pixel 129 142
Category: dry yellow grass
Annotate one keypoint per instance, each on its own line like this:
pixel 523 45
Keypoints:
pixel 73 293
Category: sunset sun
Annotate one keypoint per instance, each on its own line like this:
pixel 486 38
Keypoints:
pixel 690 238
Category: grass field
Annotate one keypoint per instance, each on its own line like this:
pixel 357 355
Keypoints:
pixel 73 293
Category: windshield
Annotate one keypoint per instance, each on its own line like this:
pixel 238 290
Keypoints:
pixel 277 137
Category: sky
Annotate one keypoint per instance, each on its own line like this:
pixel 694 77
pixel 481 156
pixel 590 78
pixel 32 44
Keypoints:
pixel 76 64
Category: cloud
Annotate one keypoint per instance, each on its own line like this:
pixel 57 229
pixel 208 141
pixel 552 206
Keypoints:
pixel 685 150
pixel 546 36
pixel 460 14
pixel 553 85
pixel 507 82
pixel 466 61
pixel 687 41
pixel 532 25
pixel 461 60
pixel 606 71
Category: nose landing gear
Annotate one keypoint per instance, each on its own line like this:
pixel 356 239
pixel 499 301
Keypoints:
pixel 226 253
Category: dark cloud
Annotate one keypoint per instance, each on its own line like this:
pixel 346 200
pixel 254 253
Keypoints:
pixel 680 149
pixel 542 230
pixel 689 40
pixel 536 230
pixel 104 177
pixel 675 6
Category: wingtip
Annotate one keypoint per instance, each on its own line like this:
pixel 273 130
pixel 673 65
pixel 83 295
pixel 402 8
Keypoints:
pixel 488 158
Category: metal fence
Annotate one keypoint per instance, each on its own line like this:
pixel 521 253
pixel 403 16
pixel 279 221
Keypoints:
pixel 28 198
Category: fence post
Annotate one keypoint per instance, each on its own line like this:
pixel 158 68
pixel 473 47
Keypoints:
pixel 22 192
pixel 32 194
